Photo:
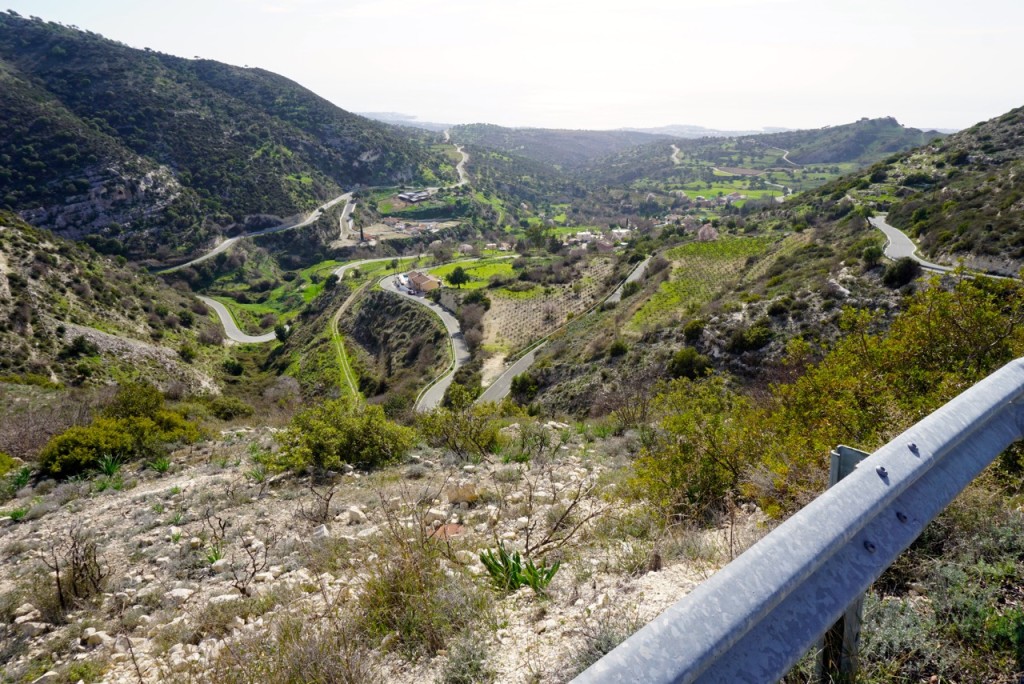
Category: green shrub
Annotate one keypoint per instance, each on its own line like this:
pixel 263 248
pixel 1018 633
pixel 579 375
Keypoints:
pixel 80 448
pixel 688 363
pixel 342 431
pixel 409 594
pixel 901 272
pixel 465 429
pixel 228 408
pixel 187 353
pixel 135 399
pixel 618 348
pixel 6 463
pixel 693 330
pixel 750 339
pixel 233 367
pixel 871 256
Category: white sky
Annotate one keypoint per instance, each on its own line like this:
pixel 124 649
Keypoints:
pixel 728 64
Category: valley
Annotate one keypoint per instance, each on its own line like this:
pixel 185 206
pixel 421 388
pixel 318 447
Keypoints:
pixel 291 394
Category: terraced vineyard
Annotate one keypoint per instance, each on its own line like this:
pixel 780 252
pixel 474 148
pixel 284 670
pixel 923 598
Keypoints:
pixel 514 321
pixel 701 270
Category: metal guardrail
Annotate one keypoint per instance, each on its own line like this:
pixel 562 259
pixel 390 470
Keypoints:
pixel 755 618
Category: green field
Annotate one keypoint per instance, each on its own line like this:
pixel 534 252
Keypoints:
pixel 479 271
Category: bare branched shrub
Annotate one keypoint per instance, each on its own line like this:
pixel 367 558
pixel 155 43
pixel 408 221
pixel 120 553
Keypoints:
pixel 319 510
pixel 78 572
pixel 255 561
pixel 630 399
pixel 300 649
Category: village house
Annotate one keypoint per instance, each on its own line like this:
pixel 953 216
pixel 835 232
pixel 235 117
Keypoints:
pixel 423 282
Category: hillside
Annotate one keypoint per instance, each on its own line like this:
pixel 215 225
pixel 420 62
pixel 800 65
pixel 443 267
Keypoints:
pixel 71 316
pixel 864 141
pixel 156 150
pixel 961 197
pixel 559 148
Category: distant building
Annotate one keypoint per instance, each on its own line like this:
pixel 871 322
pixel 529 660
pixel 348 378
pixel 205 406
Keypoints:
pixel 423 282
pixel 414 197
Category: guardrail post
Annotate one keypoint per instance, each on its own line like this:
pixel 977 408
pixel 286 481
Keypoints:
pixel 837 661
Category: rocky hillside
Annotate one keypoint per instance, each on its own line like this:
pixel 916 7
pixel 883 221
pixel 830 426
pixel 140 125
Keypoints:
pixel 152 149
pixel 364 577
pixel 71 316
pixel 962 197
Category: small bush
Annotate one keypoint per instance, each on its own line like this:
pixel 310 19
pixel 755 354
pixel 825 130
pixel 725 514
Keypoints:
pixel 467 662
pixel 302 650
pixel 229 408
pixel 901 272
pixel 409 594
pixel 600 640
pixel 618 348
pixel 688 363
pixel 6 464
pixel 342 431
pixel 693 330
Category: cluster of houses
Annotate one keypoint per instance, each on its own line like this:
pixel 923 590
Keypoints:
pixel 600 240
pixel 416 196
pixel 411 227
pixel 707 202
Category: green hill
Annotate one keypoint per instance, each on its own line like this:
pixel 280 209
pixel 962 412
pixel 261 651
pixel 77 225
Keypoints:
pixel 153 149
pixel 559 148
pixel 864 141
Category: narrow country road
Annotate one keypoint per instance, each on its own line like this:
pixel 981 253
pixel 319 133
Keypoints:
pixel 461 167
pixel 636 274
pixel 433 396
pixel 223 246
pixel 502 385
pixel 785 191
pixel 675 155
pixel 231 329
pixel 898 245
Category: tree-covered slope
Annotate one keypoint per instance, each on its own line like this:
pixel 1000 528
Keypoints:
pixel 191 142
pixel 865 141
pixel 560 148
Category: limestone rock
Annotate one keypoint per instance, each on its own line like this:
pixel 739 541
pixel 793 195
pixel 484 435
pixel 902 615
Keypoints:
pixel 178 596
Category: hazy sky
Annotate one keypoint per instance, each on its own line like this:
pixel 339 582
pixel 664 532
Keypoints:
pixel 735 64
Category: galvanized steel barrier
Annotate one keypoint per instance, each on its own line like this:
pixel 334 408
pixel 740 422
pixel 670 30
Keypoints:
pixel 755 618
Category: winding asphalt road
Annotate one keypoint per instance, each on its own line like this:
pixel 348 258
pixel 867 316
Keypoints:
pixel 502 385
pixel 900 246
pixel 433 396
pixel 231 328
pixel 223 246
